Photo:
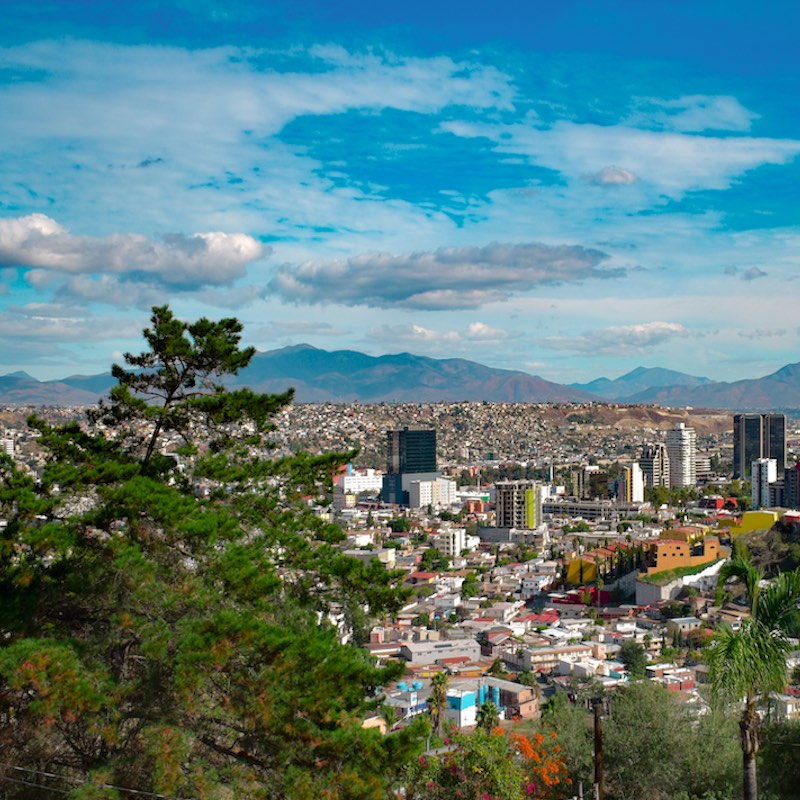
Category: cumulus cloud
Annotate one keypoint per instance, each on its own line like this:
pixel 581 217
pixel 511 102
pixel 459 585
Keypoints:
pixel 613 176
pixel 447 278
pixel 176 260
pixel 480 332
pixel 620 339
pixel 413 334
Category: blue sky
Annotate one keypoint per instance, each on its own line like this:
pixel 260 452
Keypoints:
pixel 570 189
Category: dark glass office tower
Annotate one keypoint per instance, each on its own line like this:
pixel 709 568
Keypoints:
pixel 758 436
pixel 410 451
pixel 410 455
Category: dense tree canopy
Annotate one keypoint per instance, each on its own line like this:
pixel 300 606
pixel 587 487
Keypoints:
pixel 167 601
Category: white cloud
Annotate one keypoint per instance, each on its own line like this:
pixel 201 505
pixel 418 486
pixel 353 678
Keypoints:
pixel 480 332
pixel 620 339
pixel 694 113
pixel 450 277
pixel 415 335
pixel 672 163
pixel 177 260
pixel 48 322
pixel 613 176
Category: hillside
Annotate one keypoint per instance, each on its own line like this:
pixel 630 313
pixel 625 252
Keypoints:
pixel 350 376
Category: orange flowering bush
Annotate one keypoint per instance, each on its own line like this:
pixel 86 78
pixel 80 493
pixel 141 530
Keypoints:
pixel 491 766
pixel 543 765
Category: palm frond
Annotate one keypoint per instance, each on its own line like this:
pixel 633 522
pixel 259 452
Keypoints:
pixel 777 603
pixel 748 662
pixel 742 568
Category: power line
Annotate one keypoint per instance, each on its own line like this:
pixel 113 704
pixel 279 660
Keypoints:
pixel 76 782
pixel 34 785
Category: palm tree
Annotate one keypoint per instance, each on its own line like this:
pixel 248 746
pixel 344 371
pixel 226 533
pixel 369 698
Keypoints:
pixel 438 700
pixel 488 717
pixel 750 663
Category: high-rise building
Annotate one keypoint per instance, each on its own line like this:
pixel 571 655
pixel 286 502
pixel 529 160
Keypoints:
pixel 654 462
pixel 518 504
pixel 410 456
pixel 682 449
pixel 763 472
pixel 589 483
pixel 758 436
pixel 411 451
pixel 791 486
pixel 630 484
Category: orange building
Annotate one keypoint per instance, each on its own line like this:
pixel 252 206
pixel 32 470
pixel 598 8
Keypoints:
pixel 673 554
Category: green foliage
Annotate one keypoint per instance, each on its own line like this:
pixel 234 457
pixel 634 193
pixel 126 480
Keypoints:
pixel 477 766
pixel 779 760
pixel 433 560
pixel 155 638
pixel 632 655
pixel 666 576
pixel 471 586
pixel 748 664
pixel 437 702
pixel 175 385
pixel 497 668
pixel 488 716
pixel 575 735
pixel 399 525
pixel 654 749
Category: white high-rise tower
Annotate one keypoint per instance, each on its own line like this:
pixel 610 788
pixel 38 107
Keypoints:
pixel 682 449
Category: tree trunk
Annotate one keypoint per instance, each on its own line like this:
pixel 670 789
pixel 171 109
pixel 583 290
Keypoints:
pixel 748 730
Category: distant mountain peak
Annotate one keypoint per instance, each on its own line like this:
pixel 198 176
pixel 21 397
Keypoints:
pixel 640 379
pixel 294 348
pixel 348 375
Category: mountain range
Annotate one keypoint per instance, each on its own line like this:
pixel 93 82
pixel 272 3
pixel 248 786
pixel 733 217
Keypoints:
pixel 349 376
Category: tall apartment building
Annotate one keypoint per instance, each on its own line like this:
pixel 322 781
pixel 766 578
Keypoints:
pixel 763 472
pixel 410 456
pixel 589 483
pixel 758 436
pixel 654 462
pixel 518 504
pixel 682 450
pixel 630 484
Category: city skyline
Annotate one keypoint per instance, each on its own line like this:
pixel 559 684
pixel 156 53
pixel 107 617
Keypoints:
pixel 570 192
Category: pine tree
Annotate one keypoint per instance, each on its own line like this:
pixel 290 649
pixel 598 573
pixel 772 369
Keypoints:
pixel 164 639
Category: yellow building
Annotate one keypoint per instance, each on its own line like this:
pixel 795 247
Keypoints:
pixel 755 521
pixel 582 569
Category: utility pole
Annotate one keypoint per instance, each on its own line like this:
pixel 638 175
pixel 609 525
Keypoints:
pixel 597 703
